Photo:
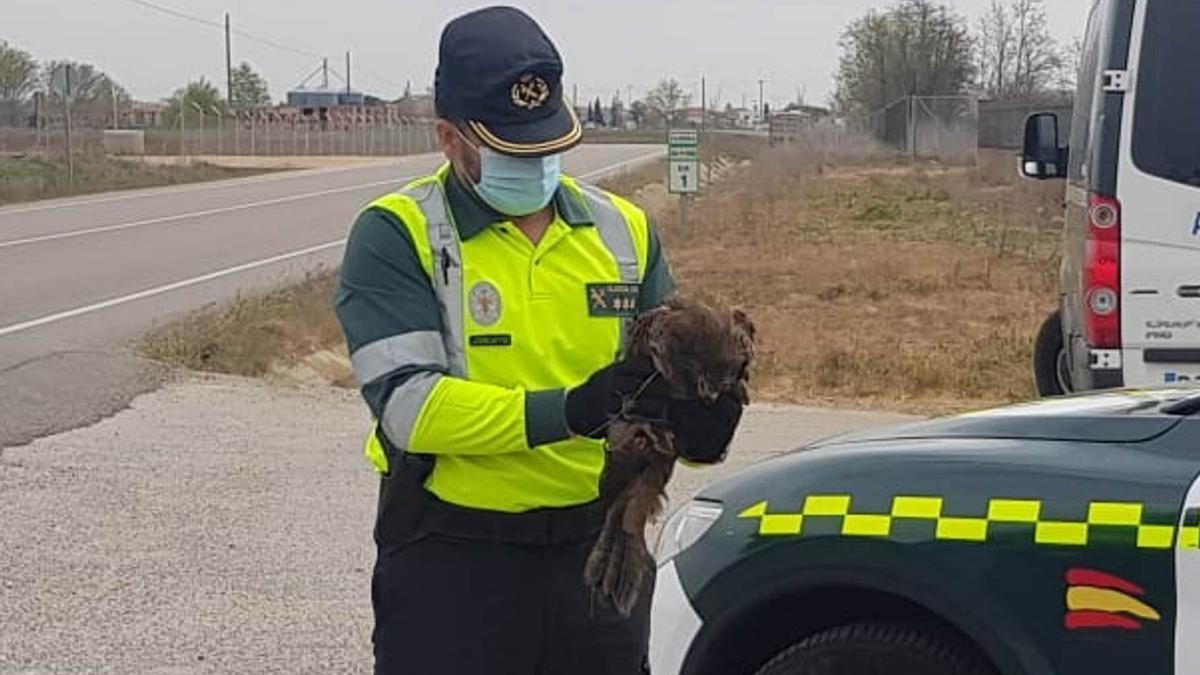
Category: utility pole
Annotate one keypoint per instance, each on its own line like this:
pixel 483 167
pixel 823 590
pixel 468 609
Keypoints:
pixel 228 63
pixel 574 96
pixel 200 118
pixel 220 130
pixel 912 129
pixel 325 73
pixel 182 126
pixel 347 72
pixel 38 102
pixel 762 104
pixel 703 124
pixel 67 119
pixel 112 93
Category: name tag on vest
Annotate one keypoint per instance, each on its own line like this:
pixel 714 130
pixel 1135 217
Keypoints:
pixel 490 341
pixel 618 300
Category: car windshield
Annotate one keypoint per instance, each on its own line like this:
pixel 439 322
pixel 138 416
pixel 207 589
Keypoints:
pixel 1167 124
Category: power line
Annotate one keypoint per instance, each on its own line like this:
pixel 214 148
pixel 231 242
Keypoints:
pixel 383 80
pixel 214 24
pixel 276 45
pixel 175 13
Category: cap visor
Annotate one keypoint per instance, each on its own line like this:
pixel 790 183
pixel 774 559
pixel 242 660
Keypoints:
pixel 558 133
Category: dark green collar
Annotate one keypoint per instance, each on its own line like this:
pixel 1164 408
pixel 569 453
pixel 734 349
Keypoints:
pixel 472 216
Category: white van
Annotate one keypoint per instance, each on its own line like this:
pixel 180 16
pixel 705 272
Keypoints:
pixel 1130 310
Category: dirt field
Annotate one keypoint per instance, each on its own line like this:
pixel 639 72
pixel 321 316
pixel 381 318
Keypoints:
pixel 873 284
pixel 910 288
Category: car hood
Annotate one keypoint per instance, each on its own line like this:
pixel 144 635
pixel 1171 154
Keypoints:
pixel 1113 417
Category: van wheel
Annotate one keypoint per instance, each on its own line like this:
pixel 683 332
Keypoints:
pixel 876 649
pixel 1051 367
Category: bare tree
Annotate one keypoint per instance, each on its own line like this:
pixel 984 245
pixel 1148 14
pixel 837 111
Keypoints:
pixel 18 73
pixel 916 48
pixel 1017 56
pixel 1068 72
pixel 92 90
pixel 666 99
pixel 995 48
pixel 18 79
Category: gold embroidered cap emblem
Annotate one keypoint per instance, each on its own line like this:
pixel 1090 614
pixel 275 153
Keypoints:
pixel 530 92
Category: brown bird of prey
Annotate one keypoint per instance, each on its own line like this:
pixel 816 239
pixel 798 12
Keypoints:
pixel 702 352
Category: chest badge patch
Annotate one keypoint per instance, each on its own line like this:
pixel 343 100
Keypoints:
pixel 485 303
pixel 613 299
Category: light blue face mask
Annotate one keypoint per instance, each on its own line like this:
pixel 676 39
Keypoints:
pixel 517 186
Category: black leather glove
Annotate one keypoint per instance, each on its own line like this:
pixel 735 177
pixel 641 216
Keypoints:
pixel 704 431
pixel 632 387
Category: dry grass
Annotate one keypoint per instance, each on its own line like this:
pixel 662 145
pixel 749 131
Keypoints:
pixel 873 284
pixel 910 288
pixel 31 177
pixel 255 335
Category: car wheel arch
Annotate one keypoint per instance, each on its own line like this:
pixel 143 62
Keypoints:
pixel 791 609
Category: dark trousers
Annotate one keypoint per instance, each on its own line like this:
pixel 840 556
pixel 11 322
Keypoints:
pixel 463 592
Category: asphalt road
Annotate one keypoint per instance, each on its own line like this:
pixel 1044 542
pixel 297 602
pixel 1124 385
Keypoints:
pixel 81 277
pixel 223 525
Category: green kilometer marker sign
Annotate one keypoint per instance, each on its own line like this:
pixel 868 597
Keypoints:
pixel 683 161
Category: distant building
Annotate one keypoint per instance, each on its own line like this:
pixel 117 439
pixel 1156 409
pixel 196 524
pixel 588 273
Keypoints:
pixel 739 118
pixel 314 98
pixel 415 106
pixel 791 124
pixel 143 115
pixel 809 112
pixel 693 116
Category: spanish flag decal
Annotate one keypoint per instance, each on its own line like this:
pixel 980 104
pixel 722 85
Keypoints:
pixel 1101 600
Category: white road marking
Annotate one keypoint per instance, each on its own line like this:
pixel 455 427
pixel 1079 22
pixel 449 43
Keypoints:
pixel 621 165
pixel 159 290
pixel 245 267
pixel 194 214
pixel 58 236
pixel 288 174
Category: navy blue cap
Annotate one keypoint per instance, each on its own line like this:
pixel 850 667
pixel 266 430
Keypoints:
pixel 500 74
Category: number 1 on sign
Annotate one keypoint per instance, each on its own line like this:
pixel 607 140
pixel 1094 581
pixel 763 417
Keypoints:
pixel 684 177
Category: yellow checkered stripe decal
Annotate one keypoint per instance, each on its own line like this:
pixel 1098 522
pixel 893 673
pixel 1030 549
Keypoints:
pixel 975 529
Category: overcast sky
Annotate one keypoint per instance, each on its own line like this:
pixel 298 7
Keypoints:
pixel 608 45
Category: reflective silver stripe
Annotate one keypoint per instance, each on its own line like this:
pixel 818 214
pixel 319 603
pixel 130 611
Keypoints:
pixel 615 232
pixel 418 348
pixel 402 409
pixel 447 272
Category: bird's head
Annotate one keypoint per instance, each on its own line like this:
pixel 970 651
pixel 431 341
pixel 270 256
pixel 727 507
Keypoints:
pixel 703 351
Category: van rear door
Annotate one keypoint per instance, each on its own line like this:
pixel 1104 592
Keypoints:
pixel 1159 191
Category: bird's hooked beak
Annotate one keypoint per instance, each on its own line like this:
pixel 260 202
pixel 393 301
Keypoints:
pixel 707 394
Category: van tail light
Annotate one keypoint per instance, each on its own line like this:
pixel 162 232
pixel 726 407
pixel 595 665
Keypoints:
pixel 1102 273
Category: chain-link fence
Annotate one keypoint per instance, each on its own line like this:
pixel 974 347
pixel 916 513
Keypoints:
pixel 246 136
pixel 1002 123
pixel 294 137
pixel 941 128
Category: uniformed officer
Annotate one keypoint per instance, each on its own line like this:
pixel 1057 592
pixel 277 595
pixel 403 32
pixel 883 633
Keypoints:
pixel 484 308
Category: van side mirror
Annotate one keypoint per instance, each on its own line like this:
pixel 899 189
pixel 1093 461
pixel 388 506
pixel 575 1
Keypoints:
pixel 1042 158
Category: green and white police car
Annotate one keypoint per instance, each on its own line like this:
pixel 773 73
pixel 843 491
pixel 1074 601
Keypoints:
pixel 1053 538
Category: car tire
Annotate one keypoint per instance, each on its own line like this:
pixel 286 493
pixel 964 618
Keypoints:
pixel 877 649
pixel 1051 368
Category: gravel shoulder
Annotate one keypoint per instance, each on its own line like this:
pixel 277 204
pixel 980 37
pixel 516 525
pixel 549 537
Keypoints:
pixel 222 524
